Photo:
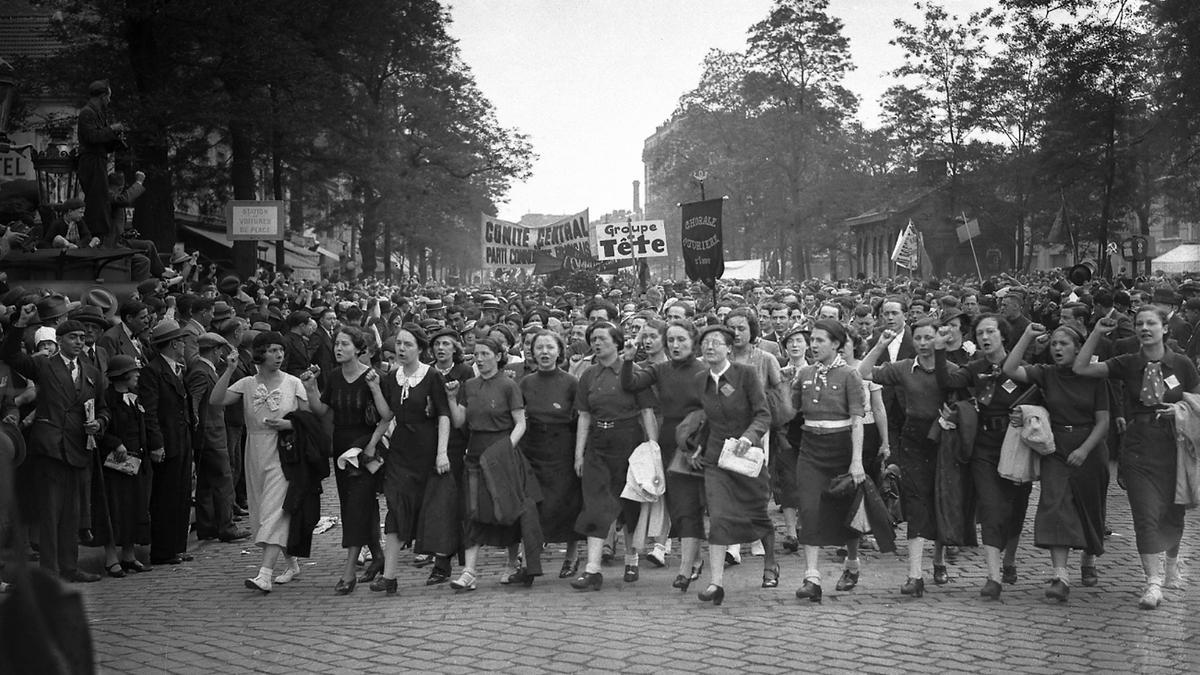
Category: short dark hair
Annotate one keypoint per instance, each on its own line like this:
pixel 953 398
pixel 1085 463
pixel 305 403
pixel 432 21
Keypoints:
pixel 131 308
pixel 751 318
pixel 614 331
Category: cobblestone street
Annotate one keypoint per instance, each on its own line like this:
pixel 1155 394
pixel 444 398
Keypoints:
pixel 197 618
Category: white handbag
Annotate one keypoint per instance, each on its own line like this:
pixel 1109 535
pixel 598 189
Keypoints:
pixel 749 463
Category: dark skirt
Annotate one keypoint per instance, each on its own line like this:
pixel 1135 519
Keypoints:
pixel 1002 504
pixel 356 491
pixel 917 459
pixel 822 518
pixel 124 519
pixel 737 506
pixel 406 471
pixel 1070 509
pixel 1147 468
pixel 550 451
pixel 476 533
pixel 685 494
pixel 605 464
pixel 441 508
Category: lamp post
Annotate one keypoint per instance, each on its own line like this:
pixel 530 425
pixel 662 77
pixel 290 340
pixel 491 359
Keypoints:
pixel 700 175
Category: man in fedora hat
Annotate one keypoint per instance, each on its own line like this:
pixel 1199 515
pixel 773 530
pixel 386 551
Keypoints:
pixel 70 408
pixel 169 422
pixel 94 324
pixel 214 477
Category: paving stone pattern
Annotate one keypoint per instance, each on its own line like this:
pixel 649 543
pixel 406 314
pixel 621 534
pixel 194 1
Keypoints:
pixel 198 618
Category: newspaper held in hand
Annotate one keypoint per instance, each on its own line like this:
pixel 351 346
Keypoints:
pixel 89 413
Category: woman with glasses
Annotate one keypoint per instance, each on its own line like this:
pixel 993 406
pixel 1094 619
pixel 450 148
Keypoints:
pixel 736 410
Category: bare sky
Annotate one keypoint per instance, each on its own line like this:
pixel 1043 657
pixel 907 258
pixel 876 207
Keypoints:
pixel 589 80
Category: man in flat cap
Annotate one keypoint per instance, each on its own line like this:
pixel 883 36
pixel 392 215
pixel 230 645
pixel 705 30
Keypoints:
pixel 98 136
pixel 70 409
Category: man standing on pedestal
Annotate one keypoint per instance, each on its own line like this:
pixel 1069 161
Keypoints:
pixel 98 136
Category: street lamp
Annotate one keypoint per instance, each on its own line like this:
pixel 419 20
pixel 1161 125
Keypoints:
pixel 55 169
pixel 700 175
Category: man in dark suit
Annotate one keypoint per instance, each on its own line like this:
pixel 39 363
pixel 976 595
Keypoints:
pixel 297 355
pixel 126 337
pixel 58 440
pixel 98 136
pixel 214 479
pixel 169 424
pixel 96 356
pixel 892 314
pixel 321 344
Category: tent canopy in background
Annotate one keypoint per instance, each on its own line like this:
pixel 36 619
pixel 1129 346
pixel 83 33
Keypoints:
pixel 743 269
pixel 1181 259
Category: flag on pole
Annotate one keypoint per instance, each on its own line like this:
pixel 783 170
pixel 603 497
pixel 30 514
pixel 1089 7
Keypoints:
pixel 968 230
pixel 906 251
pixel 924 264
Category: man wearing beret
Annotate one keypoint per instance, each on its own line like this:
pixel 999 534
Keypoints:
pixel 70 413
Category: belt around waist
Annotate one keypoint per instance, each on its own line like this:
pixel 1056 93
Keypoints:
pixel 994 423
pixel 826 426
pixel 612 424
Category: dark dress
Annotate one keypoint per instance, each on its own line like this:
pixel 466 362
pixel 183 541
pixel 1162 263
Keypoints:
pixel 354 420
pixel 127 509
pixel 1071 506
pixel 1002 504
pixel 825 453
pixel 915 453
pixel 490 404
pixel 614 434
pixel 677 396
pixel 735 408
pixel 412 458
pixel 549 447
pixel 1148 454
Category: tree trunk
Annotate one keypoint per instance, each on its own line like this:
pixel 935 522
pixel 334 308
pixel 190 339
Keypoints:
pixel 370 232
pixel 241 147
pixel 154 216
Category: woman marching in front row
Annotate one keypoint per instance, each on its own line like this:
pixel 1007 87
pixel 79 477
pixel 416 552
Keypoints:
pixel 1155 378
pixel 1070 511
pixel 829 396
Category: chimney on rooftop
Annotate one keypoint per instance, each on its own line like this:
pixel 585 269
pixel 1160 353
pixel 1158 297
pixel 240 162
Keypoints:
pixel 637 198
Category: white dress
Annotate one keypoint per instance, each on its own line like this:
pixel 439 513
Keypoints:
pixel 265 485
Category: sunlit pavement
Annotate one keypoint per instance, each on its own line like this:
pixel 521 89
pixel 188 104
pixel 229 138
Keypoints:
pixel 198 617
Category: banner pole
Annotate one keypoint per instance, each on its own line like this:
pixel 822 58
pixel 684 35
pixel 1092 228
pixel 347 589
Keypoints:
pixel 971 241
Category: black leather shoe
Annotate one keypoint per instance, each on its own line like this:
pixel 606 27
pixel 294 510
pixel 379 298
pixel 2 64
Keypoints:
pixel 115 571
pixel 1008 574
pixel 85 537
pixel 569 569
pixel 848 581
pixel 991 589
pixel 437 576
pixel 205 535
pixel 791 544
pixel 373 570
pixel 914 586
pixel 185 557
pixel 239 512
pixel 588 580
pixel 940 576
pixel 697 570
pixel 1089 576
pixel 173 560
pixel 809 589
pixel 714 594
pixel 681 582
pixel 344 587
pixel 384 584
pixel 631 573
pixel 80 577
pixel 233 535
pixel 522 577
pixel 1058 590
